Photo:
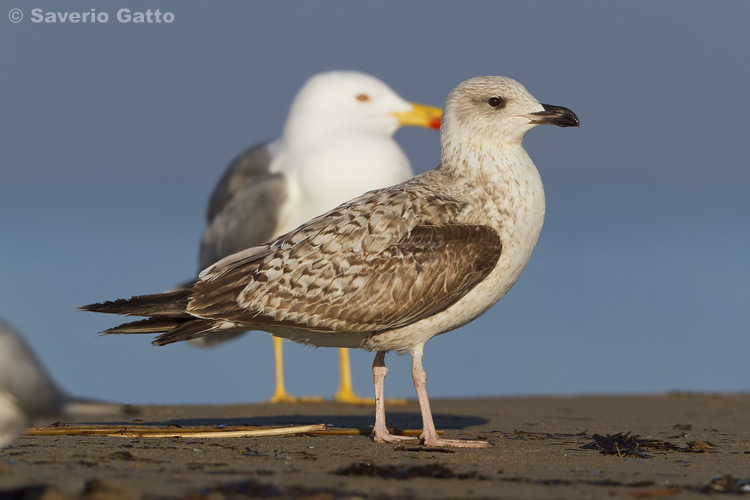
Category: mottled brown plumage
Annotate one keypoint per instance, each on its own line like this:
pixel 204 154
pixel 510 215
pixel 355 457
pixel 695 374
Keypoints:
pixel 394 267
pixel 382 261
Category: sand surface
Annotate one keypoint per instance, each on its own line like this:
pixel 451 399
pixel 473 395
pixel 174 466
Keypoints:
pixel 541 448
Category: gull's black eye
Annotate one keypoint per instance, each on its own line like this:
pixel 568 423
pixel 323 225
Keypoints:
pixel 496 102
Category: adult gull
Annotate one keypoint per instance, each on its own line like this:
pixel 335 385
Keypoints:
pixel 28 392
pixel 337 143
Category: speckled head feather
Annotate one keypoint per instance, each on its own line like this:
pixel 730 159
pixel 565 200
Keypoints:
pixel 469 111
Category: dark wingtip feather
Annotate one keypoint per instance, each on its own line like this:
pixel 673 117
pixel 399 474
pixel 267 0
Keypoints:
pixel 187 331
pixel 157 324
pixel 171 303
pixel 110 306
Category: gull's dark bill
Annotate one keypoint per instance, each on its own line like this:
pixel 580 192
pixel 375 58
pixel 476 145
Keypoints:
pixel 555 115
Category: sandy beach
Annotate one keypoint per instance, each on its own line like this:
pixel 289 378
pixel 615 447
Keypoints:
pixel 542 447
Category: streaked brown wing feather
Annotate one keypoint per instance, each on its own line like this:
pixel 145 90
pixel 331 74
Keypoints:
pixel 415 278
pixel 382 261
pixel 308 258
pixel 418 277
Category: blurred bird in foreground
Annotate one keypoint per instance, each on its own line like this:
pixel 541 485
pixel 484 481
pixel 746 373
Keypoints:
pixel 27 391
pixel 394 267
pixel 336 144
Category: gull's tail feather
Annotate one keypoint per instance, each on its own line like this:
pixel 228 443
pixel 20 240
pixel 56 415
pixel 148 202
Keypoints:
pixel 189 330
pixel 167 313
pixel 171 303
pixel 172 329
pixel 157 324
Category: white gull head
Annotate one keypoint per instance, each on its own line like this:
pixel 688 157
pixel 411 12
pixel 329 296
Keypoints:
pixel 342 101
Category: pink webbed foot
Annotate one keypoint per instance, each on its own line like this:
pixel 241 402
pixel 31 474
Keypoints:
pixel 380 431
pixel 429 434
pixel 387 437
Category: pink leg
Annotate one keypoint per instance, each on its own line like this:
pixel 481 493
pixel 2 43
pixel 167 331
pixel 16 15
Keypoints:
pixel 429 434
pixel 379 371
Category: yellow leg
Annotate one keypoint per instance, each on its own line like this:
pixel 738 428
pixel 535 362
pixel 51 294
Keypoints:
pixel 280 395
pixel 345 394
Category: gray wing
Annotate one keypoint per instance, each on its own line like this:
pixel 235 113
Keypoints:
pixel 382 261
pixel 248 219
pixel 252 164
pixel 24 377
pixel 241 213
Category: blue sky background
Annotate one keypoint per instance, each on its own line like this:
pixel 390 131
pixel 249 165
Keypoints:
pixel 113 135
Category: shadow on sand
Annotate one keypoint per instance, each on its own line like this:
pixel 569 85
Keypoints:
pixel 405 420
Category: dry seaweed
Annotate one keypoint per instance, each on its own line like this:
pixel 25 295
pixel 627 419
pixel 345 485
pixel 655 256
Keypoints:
pixel 434 471
pixel 624 445
pixel 698 446
pixel 256 489
pixel 534 436
pixel 569 482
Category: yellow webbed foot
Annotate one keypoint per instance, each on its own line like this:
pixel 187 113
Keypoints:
pixel 285 397
pixel 280 395
pixel 345 395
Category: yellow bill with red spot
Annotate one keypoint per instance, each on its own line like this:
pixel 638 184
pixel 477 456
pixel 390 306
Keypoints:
pixel 420 116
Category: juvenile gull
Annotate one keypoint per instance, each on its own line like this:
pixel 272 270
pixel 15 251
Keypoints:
pixel 337 143
pixel 27 391
pixel 394 267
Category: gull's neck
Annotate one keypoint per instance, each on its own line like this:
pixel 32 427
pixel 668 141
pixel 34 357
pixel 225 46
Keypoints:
pixel 477 160
pixel 499 182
